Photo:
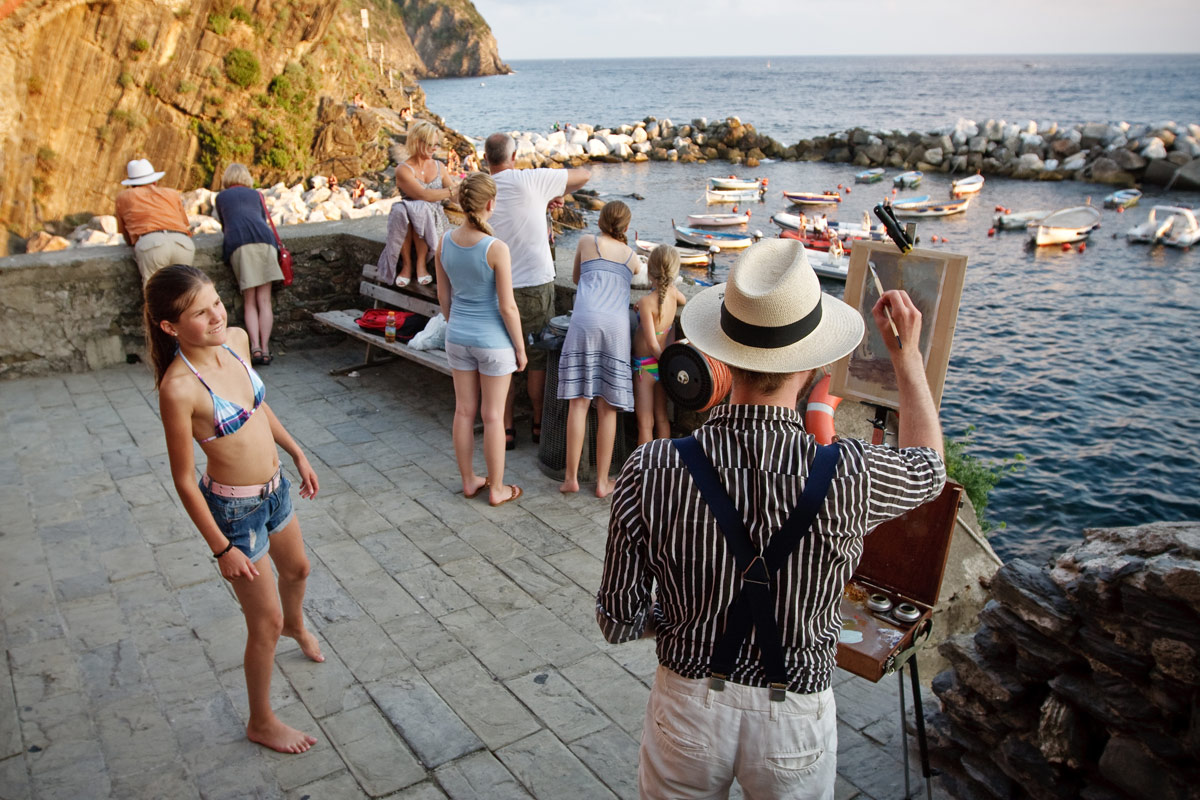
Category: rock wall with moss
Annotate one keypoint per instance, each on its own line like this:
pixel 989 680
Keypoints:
pixel 192 85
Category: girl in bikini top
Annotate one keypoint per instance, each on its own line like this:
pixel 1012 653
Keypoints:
pixel 229 417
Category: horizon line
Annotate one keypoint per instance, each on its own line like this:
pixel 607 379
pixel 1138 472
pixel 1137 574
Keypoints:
pixel 768 56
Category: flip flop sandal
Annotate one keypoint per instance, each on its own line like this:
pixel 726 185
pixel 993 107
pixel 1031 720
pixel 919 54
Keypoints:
pixel 487 484
pixel 256 357
pixel 516 493
pixel 510 438
pixel 267 359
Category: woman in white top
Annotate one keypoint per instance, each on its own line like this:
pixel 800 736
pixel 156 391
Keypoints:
pixel 424 185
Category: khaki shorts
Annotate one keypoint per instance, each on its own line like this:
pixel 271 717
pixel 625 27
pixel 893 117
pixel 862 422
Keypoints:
pixel 535 304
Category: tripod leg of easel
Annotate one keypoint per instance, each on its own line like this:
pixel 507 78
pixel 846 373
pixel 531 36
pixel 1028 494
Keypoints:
pixel 904 735
pixel 919 712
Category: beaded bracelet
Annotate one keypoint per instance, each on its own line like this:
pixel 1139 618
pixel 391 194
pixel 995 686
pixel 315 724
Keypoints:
pixel 223 552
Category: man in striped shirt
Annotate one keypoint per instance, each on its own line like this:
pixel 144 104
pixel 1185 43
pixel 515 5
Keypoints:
pixel 669 570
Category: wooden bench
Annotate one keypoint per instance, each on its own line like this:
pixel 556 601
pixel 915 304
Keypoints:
pixel 416 298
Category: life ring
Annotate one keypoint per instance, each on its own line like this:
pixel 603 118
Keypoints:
pixel 818 415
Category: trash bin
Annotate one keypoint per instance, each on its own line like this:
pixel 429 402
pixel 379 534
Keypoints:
pixel 552 450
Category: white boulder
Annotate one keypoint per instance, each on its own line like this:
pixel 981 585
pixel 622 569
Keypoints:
pixel 1047 128
pixel 202 223
pixel 1155 149
pixel 1030 161
pixel 639 135
pixel 1075 162
pixel 1051 164
pixel 596 148
pixel 577 136
pixel 994 130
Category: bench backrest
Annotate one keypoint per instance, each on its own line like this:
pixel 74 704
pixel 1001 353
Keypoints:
pixel 414 297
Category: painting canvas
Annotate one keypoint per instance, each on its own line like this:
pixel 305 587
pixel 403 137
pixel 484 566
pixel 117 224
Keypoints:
pixel 934 280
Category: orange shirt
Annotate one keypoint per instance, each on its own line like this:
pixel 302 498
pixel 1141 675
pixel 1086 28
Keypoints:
pixel 145 209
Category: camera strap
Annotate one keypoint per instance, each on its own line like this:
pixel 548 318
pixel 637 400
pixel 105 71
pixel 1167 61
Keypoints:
pixel 754 604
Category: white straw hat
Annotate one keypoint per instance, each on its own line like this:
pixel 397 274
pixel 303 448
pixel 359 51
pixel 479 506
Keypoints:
pixel 771 315
pixel 140 172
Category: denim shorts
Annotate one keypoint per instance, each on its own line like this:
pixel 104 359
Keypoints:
pixel 248 521
pixel 491 361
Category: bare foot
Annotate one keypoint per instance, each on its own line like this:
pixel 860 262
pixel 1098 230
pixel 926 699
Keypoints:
pixel 472 487
pixel 280 737
pixel 308 643
pixel 603 489
pixel 569 487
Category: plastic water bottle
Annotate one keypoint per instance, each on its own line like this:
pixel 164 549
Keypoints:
pixel 389 329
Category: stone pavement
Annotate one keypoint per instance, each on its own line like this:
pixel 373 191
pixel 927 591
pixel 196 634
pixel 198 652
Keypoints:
pixel 463 660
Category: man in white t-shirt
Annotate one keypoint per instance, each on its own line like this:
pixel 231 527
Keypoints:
pixel 520 222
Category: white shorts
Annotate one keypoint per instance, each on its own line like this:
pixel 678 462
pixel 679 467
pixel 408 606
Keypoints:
pixel 490 361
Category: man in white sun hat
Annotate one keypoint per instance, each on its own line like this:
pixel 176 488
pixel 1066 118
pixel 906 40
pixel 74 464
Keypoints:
pixel 744 691
pixel 152 220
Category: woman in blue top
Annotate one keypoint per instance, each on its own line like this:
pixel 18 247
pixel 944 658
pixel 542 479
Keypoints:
pixel 483 335
pixel 250 250
pixel 595 359
pixel 208 393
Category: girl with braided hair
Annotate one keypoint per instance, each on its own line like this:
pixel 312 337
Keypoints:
pixel 656 319
pixel 483 335
pixel 594 364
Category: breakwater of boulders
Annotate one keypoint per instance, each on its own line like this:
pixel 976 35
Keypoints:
pixel 1121 154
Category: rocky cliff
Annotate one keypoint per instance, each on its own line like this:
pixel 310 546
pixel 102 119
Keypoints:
pixel 451 37
pixel 87 85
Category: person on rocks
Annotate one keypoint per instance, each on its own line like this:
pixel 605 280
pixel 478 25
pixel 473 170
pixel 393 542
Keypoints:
pixel 693 517
pixel 250 251
pixel 415 228
pixel 483 335
pixel 594 363
pixel 520 222
pixel 656 321
pixel 242 505
pixel 152 220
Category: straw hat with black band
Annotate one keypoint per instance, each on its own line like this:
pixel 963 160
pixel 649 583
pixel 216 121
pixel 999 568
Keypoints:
pixel 771 315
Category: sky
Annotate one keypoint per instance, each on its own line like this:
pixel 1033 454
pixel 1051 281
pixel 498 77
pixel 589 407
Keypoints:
pixel 533 29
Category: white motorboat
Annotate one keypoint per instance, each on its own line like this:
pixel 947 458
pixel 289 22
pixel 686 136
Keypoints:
pixel 735 183
pixel 688 256
pixel 718 220
pixel 1019 220
pixel 713 196
pixel 968 185
pixel 931 208
pixel 1184 231
pixel 844 230
pixel 812 198
pixel 828 266
pixel 1065 226
pixel 1158 224
pixel 910 202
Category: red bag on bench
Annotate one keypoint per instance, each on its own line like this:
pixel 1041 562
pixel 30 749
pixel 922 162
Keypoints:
pixel 408 323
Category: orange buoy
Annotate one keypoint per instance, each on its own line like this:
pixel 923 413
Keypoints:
pixel 749 212
pixel 839 186
pixel 991 231
pixel 944 240
pixel 1000 209
pixel 933 238
pixel 1120 209
pixel 894 190
pixel 848 190
pixel 818 413
pixel 1066 247
pixel 1082 246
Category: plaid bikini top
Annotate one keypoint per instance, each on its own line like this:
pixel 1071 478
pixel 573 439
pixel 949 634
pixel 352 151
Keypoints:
pixel 229 417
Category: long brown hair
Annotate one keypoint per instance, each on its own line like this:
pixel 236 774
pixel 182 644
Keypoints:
pixel 168 294
pixel 474 193
pixel 614 220
pixel 662 268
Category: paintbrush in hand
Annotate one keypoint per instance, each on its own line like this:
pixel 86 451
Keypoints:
pixel 887 313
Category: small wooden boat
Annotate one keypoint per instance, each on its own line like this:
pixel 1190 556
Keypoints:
pixel 1123 198
pixel 718 220
pixel 908 180
pixel 688 256
pixel 968 185
pixel 1067 225
pixel 704 238
pixel 869 175
pixel 910 201
pixel 812 198
pixel 931 208
pixel 735 183
pixel 714 196
pixel 1019 220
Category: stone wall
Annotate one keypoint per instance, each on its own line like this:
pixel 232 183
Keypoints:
pixel 81 309
pixel 1084 677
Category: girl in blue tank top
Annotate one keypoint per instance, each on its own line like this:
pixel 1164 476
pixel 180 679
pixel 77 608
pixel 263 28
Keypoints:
pixel 483 335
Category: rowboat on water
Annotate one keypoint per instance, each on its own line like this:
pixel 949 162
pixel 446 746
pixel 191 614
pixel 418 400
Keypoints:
pixel 704 238
pixel 931 208
pixel 734 195
pixel 1123 198
pixel 908 180
pixel 869 175
pixel 812 198
pixel 688 256
pixel 736 183
pixel 968 185
pixel 910 201
pixel 1173 225
pixel 1066 225
pixel 718 220
pixel 1019 220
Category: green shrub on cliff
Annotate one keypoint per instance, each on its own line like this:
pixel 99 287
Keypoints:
pixel 218 24
pixel 220 145
pixel 139 45
pixel 977 476
pixel 241 67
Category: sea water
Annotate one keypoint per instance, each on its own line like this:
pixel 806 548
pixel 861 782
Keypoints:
pixel 1087 364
